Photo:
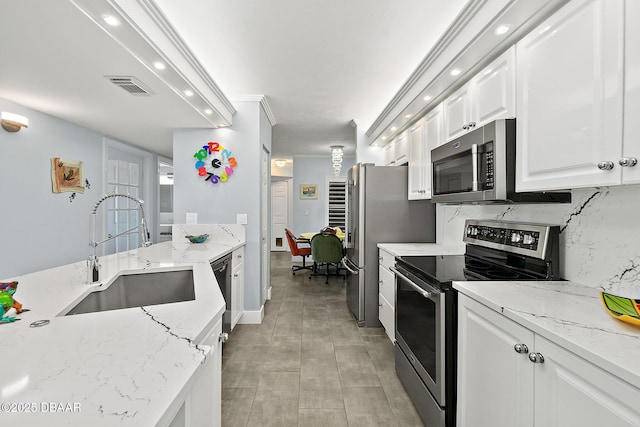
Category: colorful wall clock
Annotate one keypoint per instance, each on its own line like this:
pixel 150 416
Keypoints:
pixel 215 163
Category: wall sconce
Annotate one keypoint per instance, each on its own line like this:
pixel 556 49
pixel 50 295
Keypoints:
pixel 280 163
pixel 13 122
pixel 336 158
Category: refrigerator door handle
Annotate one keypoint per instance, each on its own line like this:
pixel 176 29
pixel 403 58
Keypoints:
pixel 346 261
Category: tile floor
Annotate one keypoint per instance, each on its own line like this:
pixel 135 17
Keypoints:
pixel 309 364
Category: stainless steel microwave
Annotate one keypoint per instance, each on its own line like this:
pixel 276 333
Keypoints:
pixel 479 167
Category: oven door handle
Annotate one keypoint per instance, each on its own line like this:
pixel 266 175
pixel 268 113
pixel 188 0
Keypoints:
pixel 421 291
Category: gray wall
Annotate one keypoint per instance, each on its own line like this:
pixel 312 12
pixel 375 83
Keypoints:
pixel 40 229
pixel 219 203
pixel 310 215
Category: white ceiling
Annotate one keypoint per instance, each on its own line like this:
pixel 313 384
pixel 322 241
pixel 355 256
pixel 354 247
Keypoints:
pixel 319 63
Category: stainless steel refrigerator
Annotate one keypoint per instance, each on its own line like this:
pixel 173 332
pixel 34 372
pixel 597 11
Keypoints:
pixel 378 212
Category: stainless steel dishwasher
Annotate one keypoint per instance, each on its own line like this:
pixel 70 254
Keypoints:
pixel 222 270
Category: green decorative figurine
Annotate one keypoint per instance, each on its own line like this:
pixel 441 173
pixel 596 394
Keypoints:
pixel 7 289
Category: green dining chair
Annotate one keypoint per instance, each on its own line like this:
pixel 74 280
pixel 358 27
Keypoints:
pixel 326 248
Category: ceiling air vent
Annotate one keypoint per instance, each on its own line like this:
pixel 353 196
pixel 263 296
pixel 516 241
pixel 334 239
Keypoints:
pixel 131 84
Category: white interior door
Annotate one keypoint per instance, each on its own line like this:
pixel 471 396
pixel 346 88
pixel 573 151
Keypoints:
pixel 279 214
pixel 123 176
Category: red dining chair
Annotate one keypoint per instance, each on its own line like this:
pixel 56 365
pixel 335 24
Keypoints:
pixel 298 247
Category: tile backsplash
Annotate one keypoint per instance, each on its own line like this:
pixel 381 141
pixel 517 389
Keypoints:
pixel 599 237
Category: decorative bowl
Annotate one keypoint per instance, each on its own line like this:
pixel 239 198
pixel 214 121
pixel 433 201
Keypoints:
pixel 622 308
pixel 197 239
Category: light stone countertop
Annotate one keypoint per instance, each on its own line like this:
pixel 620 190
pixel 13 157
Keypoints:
pixel 409 249
pixel 122 367
pixel 569 314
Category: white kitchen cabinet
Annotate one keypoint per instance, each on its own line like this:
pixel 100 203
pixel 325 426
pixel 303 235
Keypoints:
pixel 396 152
pixel 424 136
pixel 570 98
pixel 495 384
pixel 631 135
pixel 237 286
pixel 488 96
pixel 417 167
pixel 499 385
pixel 386 292
pixel 202 405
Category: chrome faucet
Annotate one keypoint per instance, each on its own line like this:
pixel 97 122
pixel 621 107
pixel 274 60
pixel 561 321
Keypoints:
pixel 93 267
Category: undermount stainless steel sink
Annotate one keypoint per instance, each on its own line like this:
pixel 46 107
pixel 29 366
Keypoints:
pixel 136 290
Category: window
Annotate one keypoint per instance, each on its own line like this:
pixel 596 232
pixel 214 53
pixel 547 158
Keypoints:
pixel 337 201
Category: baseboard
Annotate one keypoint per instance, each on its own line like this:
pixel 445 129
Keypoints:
pixel 252 317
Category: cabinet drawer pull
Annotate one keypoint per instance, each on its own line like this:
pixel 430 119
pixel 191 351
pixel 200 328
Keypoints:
pixel 536 357
pixel 472 125
pixel 628 161
pixel 223 337
pixel 605 166
pixel 521 348
pixel 235 274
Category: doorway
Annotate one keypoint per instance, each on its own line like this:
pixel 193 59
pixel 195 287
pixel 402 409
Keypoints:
pixel 280 205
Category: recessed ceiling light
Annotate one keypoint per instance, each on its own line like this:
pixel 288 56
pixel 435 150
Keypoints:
pixel 188 92
pixel 384 138
pixel 455 71
pixel 393 128
pixel 502 29
pixel 111 20
pixel 208 111
pixel 426 98
pixel 408 116
pixel 159 65
pixel 222 125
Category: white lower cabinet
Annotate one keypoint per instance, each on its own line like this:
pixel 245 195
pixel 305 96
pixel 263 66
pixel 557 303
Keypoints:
pixel 499 385
pixel 386 293
pixel 203 403
pixel 237 286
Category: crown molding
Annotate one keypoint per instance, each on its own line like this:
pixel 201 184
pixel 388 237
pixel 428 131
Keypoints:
pixel 262 99
pixel 470 41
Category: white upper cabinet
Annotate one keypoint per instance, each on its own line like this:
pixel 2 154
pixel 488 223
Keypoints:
pixel 488 96
pixel 631 148
pixel 396 152
pixel 424 136
pixel 417 153
pixel 570 98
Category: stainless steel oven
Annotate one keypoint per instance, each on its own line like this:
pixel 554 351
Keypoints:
pixel 425 334
pixel 480 167
pixel 426 313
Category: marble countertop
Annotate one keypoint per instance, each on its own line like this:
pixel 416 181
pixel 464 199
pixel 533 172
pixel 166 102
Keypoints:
pixel 132 366
pixel 407 249
pixel 569 314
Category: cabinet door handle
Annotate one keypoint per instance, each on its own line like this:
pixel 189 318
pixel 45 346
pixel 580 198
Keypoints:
pixel 536 357
pixel 239 256
pixel 628 161
pixel 223 337
pixel 235 274
pixel 605 166
pixel 521 348
pixel 465 127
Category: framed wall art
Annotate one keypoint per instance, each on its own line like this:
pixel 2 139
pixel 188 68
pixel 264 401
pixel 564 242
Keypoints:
pixel 308 191
pixel 67 175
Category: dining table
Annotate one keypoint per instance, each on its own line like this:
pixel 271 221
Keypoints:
pixel 308 235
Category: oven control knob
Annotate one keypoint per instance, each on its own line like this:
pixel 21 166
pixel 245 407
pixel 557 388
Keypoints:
pixel 516 237
pixel 472 231
pixel 528 239
pixel 536 358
